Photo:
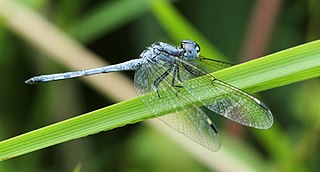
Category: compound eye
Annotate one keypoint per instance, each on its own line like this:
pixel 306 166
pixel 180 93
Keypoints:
pixel 183 43
pixel 197 48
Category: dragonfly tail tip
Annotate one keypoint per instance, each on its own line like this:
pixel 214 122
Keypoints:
pixel 29 81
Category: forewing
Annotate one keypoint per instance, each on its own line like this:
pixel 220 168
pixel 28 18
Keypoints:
pixel 185 117
pixel 209 65
pixel 225 99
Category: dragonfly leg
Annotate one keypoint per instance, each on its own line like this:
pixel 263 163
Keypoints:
pixel 191 70
pixel 176 74
pixel 160 79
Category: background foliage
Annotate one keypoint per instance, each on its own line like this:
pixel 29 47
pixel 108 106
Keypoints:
pixel 118 31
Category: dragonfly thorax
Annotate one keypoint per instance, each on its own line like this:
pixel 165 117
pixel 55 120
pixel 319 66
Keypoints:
pixel 160 51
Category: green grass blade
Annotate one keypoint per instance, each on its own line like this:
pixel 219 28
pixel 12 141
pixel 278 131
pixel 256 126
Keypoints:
pixel 275 70
pixel 292 65
pixel 107 118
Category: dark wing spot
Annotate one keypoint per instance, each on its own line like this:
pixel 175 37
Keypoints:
pixel 262 104
pixel 212 125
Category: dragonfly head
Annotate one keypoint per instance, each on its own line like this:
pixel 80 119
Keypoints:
pixel 191 49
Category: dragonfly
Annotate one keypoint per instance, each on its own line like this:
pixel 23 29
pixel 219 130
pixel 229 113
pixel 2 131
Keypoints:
pixel 179 78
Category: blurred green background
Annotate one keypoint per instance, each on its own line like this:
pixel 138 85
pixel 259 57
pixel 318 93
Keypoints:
pixel 118 30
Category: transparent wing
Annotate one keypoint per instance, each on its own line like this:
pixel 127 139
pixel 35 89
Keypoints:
pixel 225 99
pixel 209 65
pixel 186 117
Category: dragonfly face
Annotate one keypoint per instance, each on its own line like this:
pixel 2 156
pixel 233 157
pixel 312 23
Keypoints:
pixel 191 49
